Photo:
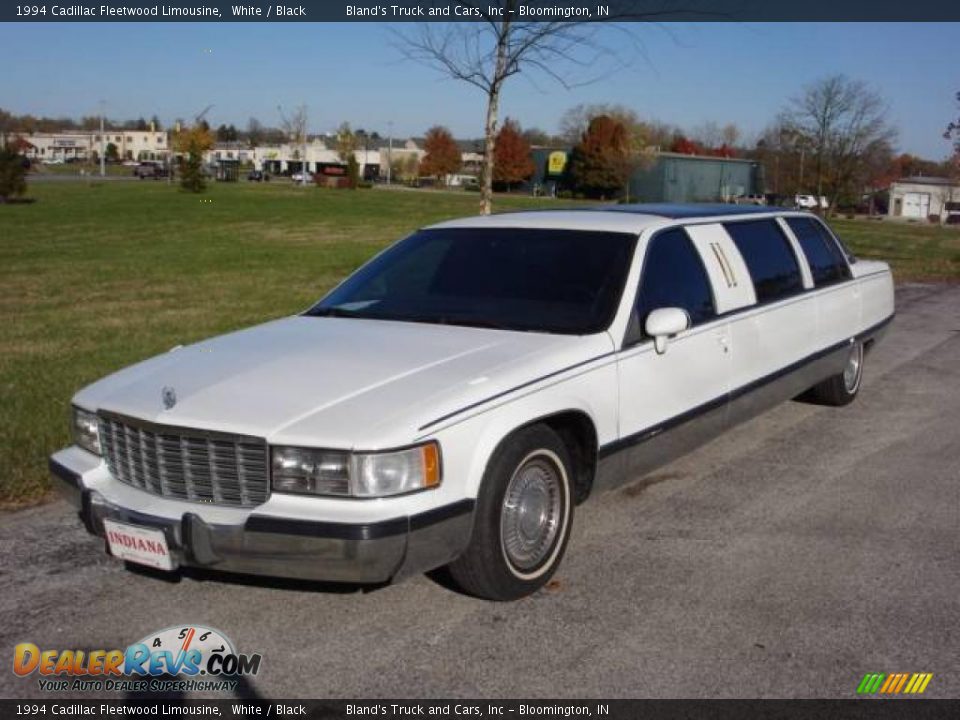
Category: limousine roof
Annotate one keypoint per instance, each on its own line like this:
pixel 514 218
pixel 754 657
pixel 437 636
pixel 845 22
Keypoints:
pixel 612 218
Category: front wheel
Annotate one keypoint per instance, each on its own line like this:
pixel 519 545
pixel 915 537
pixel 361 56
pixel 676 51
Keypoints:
pixel 523 518
pixel 842 389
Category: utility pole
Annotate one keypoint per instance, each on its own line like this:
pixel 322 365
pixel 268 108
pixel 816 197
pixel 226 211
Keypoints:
pixel 389 151
pixel 303 173
pixel 103 151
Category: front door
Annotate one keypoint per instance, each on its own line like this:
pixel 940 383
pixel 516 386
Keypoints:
pixel 672 401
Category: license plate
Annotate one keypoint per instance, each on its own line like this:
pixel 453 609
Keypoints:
pixel 141 545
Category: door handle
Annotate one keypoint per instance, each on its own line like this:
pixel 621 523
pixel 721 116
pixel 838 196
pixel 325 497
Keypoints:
pixel 723 340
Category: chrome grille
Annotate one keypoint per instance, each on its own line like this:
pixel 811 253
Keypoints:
pixel 184 463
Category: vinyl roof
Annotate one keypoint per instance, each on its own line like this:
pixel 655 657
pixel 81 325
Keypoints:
pixel 613 218
pixel 687 210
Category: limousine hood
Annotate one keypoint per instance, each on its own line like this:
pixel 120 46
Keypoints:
pixel 337 382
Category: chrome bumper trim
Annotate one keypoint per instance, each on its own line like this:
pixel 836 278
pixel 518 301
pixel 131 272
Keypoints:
pixel 374 552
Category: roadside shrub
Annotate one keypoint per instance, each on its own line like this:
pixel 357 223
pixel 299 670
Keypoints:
pixel 353 172
pixel 13 175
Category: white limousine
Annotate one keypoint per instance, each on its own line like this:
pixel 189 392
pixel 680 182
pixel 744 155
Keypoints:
pixel 453 400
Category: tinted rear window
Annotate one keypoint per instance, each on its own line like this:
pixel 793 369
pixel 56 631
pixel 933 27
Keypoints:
pixel 769 258
pixel 561 281
pixel 827 264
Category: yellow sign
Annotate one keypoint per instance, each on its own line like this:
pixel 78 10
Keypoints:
pixel 556 162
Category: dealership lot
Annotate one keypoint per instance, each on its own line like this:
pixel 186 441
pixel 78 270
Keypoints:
pixel 786 559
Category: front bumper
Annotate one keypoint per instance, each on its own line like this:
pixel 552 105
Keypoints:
pixel 375 552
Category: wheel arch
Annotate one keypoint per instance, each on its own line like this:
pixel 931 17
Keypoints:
pixel 578 432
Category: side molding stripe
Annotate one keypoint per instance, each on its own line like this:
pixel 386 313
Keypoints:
pixel 513 389
pixel 65 474
pixel 669 424
pixel 356 531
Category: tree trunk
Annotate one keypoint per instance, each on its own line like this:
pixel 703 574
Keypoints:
pixel 490 142
pixel 490 127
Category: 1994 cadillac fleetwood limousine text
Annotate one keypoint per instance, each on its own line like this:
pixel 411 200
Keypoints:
pixel 452 401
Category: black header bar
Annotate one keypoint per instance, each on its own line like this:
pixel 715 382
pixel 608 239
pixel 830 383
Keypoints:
pixel 403 11
pixel 436 709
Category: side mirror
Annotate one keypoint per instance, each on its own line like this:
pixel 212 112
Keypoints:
pixel 664 323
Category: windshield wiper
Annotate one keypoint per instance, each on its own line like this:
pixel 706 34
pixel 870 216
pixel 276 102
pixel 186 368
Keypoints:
pixel 332 312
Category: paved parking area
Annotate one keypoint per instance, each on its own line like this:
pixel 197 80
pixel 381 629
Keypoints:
pixel 785 559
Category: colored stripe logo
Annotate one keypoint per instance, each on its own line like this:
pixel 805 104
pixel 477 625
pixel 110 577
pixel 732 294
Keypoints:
pixel 894 683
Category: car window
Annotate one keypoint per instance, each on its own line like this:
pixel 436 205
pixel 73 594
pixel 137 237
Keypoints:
pixel 827 264
pixel 673 276
pixel 562 281
pixel 769 258
pixel 831 238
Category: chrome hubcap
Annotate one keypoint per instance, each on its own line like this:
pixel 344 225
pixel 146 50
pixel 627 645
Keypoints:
pixel 530 519
pixel 851 373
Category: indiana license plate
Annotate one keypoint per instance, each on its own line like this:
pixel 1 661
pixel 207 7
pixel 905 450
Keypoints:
pixel 144 546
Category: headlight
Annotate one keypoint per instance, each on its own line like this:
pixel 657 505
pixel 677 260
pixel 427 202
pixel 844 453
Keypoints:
pixel 326 472
pixel 86 430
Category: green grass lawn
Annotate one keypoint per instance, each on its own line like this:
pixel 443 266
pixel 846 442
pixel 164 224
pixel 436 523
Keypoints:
pixel 96 276
pixel 916 251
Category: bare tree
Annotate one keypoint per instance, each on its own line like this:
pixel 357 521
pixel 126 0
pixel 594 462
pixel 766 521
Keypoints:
pixel 347 142
pixel 295 126
pixel 255 132
pixel 953 133
pixel 486 54
pixel 707 134
pixel 843 122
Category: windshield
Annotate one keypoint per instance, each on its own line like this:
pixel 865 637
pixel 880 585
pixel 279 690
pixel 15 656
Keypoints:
pixel 558 281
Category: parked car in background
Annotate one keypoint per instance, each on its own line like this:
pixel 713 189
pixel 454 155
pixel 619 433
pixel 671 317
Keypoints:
pixel 258 176
pixel 52 161
pixel 757 199
pixel 952 211
pixel 149 169
pixel 452 401
pixel 298 177
pixel 811 202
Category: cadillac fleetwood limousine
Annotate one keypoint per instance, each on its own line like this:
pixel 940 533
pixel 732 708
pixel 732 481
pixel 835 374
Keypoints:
pixel 452 401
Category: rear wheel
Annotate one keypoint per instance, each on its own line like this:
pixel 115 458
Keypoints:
pixel 523 518
pixel 841 389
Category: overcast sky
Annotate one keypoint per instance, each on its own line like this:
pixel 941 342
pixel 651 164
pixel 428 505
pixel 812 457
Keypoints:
pixel 687 74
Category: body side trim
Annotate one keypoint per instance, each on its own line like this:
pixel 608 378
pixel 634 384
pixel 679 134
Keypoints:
pixel 66 474
pixel 647 433
pixel 358 531
pixel 514 389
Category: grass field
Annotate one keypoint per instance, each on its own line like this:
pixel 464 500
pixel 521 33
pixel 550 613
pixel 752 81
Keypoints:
pixel 94 276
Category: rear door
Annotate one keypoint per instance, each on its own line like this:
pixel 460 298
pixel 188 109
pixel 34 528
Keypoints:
pixel 781 329
pixel 838 297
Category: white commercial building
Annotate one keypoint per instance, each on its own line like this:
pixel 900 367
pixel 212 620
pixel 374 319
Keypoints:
pixel 84 145
pixel 924 197
pixel 289 157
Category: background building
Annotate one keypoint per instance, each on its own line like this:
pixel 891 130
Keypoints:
pixel 671 177
pixel 82 145
pixel 924 197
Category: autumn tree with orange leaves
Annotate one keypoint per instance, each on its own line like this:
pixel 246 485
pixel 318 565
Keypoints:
pixel 512 163
pixel 601 162
pixel 443 156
